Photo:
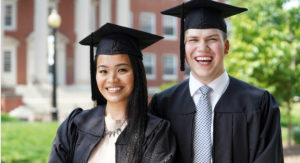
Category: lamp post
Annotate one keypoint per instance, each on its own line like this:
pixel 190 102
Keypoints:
pixel 54 22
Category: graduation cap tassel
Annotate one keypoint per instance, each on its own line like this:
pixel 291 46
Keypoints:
pixel 182 49
pixel 92 68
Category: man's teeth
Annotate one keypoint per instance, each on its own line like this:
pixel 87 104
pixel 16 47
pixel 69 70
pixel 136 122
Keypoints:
pixel 114 89
pixel 203 59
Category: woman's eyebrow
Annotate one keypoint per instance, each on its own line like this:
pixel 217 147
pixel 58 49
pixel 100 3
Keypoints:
pixel 121 64
pixel 103 66
pixel 118 65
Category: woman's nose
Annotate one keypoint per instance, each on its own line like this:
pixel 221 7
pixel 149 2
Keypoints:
pixel 112 77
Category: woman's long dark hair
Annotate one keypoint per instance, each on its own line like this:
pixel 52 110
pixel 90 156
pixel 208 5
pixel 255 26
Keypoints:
pixel 136 110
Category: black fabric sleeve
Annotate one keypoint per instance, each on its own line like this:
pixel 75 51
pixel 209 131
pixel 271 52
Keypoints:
pixel 270 142
pixel 64 142
pixel 160 145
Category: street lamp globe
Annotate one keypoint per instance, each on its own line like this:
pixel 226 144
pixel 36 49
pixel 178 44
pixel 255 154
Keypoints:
pixel 54 19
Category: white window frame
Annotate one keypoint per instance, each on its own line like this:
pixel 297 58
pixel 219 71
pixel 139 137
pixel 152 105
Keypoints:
pixel 144 15
pixel 173 25
pixel 175 65
pixel 14 11
pixel 152 64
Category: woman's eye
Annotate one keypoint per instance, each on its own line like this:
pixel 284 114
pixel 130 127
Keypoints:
pixel 122 70
pixel 102 71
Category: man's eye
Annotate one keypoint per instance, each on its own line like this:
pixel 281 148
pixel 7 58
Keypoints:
pixel 212 39
pixel 192 40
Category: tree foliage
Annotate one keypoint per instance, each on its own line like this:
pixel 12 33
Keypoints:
pixel 265 47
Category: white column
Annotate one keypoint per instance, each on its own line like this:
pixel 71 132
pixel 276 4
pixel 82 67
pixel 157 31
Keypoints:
pixel 1 29
pixel 30 59
pixel 40 38
pixel 61 58
pixel 105 11
pixel 82 29
pixel 123 13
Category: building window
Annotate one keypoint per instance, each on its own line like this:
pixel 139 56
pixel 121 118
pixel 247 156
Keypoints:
pixel 147 22
pixel 170 67
pixel 10 15
pixel 7 62
pixel 150 64
pixel 169 27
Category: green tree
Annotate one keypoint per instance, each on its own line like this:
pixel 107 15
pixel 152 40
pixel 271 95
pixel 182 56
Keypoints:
pixel 167 85
pixel 265 49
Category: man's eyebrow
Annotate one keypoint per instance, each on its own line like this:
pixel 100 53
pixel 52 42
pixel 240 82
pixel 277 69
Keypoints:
pixel 192 36
pixel 212 35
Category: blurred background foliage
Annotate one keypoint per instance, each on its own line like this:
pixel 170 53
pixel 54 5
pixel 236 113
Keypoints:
pixel 265 49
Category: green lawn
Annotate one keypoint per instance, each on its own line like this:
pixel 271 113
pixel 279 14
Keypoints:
pixel 26 142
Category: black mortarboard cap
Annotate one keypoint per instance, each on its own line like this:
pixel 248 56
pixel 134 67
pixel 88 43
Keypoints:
pixel 115 39
pixel 201 14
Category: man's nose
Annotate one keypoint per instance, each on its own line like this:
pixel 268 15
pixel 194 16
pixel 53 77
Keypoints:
pixel 202 46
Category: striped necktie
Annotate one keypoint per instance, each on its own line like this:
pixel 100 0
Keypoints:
pixel 202 130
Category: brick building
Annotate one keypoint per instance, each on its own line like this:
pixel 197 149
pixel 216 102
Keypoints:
pixel 26 75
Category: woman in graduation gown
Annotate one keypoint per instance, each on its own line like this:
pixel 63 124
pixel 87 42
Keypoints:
pixel 118 129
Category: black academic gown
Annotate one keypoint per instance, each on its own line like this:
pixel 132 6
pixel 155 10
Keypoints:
pixel 246 123
pixel 82 131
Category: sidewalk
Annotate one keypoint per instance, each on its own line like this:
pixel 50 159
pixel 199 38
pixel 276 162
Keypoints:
pixel 292 154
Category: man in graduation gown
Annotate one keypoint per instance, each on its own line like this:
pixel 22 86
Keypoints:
pixel 244 121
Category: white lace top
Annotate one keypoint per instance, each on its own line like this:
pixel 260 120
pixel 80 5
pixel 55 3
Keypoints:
pixel 104 152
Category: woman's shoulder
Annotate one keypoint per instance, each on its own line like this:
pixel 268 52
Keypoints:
pixel 160 143
pixel 156 124
pixel 79 112
pixel 79 117
pixel 88 121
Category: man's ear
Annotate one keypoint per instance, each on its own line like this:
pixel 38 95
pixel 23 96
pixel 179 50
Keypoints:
pixel 226 49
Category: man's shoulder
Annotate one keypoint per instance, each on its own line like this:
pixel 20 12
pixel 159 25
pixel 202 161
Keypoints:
pixel 243 86
pixel 180 87
pixel 242 90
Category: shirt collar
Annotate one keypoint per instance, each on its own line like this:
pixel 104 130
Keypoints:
pixel 218 85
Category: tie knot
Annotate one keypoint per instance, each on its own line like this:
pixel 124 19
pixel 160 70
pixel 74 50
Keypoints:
pixel 205 90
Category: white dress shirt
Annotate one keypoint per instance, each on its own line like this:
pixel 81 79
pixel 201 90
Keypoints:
pixel 218 86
